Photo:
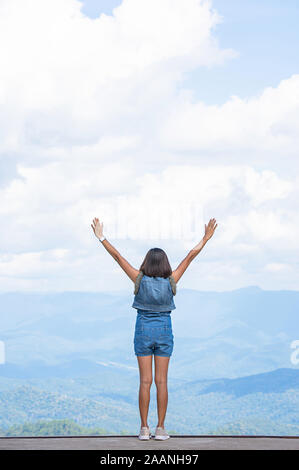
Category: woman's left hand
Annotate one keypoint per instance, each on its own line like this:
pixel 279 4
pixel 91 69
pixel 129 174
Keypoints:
pixel 97 228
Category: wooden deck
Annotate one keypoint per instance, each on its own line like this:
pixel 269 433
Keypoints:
pixel 133 443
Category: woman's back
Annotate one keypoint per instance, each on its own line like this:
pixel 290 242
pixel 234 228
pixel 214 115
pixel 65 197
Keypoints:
pixel 154 295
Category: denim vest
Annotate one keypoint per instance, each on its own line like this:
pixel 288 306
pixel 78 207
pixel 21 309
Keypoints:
pixel 154 294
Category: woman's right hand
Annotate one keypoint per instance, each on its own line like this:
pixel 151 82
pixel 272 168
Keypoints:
pixel 97 228
pixel 210 229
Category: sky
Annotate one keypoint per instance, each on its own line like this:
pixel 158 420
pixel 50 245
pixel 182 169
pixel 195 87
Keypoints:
pixel 153 116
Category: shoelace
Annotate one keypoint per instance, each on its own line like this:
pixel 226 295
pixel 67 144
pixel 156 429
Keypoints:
pixel 161 430
pixel 144 430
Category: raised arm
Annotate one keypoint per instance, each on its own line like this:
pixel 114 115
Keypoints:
pixel 209 231
pixel 97 227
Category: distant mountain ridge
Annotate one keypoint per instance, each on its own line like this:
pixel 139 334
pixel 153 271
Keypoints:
pixel 232 333
pixel 276 381
pixel 265 403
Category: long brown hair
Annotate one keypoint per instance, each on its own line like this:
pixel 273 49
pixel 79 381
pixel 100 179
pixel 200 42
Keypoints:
pixel 156 263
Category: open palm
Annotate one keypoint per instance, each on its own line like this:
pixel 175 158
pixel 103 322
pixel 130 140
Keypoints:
pixel 97 227
pixel 210 229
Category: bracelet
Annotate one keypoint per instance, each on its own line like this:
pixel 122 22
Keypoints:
pixel 102 238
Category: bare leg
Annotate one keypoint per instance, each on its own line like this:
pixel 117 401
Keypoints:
pixel 146 379
pixel 161 370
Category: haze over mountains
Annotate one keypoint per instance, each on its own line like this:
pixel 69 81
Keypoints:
pixel 264 404
pixel 70 356
pixel 216 334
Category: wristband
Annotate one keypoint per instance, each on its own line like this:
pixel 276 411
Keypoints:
pixel 102 238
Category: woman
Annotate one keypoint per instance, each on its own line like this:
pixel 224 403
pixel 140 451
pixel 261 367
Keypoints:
pixel 155 285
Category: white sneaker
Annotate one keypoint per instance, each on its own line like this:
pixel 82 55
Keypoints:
pixel 161 434
pixel 144 434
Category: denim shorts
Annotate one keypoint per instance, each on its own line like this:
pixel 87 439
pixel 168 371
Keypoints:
pixel 153 335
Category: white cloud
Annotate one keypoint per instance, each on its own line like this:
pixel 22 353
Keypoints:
pixel 32 264
pixel 62 218
pixel 265 185
pixel 68 79
pixel 91 116
pixel 277 267
pixel 262 123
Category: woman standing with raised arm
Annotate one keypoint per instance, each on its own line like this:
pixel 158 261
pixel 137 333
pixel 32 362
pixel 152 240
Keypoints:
pixel 155 286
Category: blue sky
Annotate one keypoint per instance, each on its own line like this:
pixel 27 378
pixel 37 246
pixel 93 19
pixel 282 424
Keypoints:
pixel 154 125
pixel 264 32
